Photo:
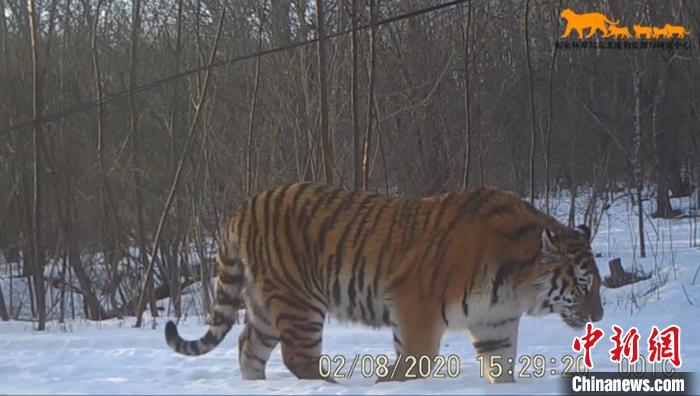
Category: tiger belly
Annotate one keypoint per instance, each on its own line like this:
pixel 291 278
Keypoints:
pixel 477 310
pixel 363 307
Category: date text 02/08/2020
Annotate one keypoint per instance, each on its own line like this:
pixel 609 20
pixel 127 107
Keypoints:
pixel 340 367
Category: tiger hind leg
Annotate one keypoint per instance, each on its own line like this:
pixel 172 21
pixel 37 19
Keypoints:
pixel 258 338
pixel 299 323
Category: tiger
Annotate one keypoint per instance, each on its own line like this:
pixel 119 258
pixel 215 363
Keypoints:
pixel 477 259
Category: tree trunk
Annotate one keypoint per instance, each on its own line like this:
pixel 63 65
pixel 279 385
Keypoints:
pixel 93 306
pixel 250 152
pixel 354 99
pixel 136 151
pixel 3 308
pixel 571 218
pixel 637 158
pixel 548 136
pixel 38 249
pixel 370 96
pixel 174 272
pixel 326 141
pixel 663 202
pixel 467 125
pixel 619 277
pixel 531 98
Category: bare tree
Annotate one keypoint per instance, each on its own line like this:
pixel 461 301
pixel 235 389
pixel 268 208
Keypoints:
pixel 370 95
pixel 636 157
pixel 38 249
pixel 467 125
pixel 326 141
pixel 531 100
pixel 253 104
pixel 550 114
pixel 354 98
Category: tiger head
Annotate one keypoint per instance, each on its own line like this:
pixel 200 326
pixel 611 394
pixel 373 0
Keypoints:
pixel 568 282
pixel 567 13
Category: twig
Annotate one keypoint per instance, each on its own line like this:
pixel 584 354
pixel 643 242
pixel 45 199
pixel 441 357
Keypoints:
pixel 178 173
pixel 686 295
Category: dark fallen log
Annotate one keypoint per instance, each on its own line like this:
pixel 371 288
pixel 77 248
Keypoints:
pixel 128 308
pixel 619 277
pixel 161 292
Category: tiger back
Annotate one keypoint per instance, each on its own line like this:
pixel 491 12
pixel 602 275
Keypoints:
pixel 477 260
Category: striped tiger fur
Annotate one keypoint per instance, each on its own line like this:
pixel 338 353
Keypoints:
pixel 476 259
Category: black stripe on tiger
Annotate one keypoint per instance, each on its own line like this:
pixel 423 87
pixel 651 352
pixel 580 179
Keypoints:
pixel 224 298
pixel 465 306
pixel 294 301
pixel 307 276
pixel 491 345
pixel 519 232
pixel 328 221
pixel 300 189
pixel 198 347
pixel 313 211
pixel 500 210
pixel 384 247
pixel 229 279
pixel 505 270
pixel 444 314
pixel 283 265
pixel 269 341
pixel 553 281
pixel 469 207
pixel 360 214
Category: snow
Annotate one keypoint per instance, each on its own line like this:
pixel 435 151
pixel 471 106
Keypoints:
pixel 112 357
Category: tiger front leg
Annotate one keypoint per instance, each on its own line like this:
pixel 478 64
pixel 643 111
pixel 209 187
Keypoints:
pixel 495 344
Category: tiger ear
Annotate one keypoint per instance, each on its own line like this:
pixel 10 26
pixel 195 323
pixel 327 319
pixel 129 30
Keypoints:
pixel 548 238
pixel 583 229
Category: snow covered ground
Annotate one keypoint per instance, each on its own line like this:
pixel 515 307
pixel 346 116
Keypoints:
pixel 112 357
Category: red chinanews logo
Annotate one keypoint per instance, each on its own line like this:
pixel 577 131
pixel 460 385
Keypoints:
pixel 662 345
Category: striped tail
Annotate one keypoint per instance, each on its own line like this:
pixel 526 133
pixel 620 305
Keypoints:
pixel 228 290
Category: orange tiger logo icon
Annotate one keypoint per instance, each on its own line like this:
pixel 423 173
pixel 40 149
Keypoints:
pixel 674 30
pixel 659 32
pixel 618 32
pixel 643 32
pixel 594 21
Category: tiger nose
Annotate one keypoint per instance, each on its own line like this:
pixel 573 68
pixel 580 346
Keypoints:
pixel 597 315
